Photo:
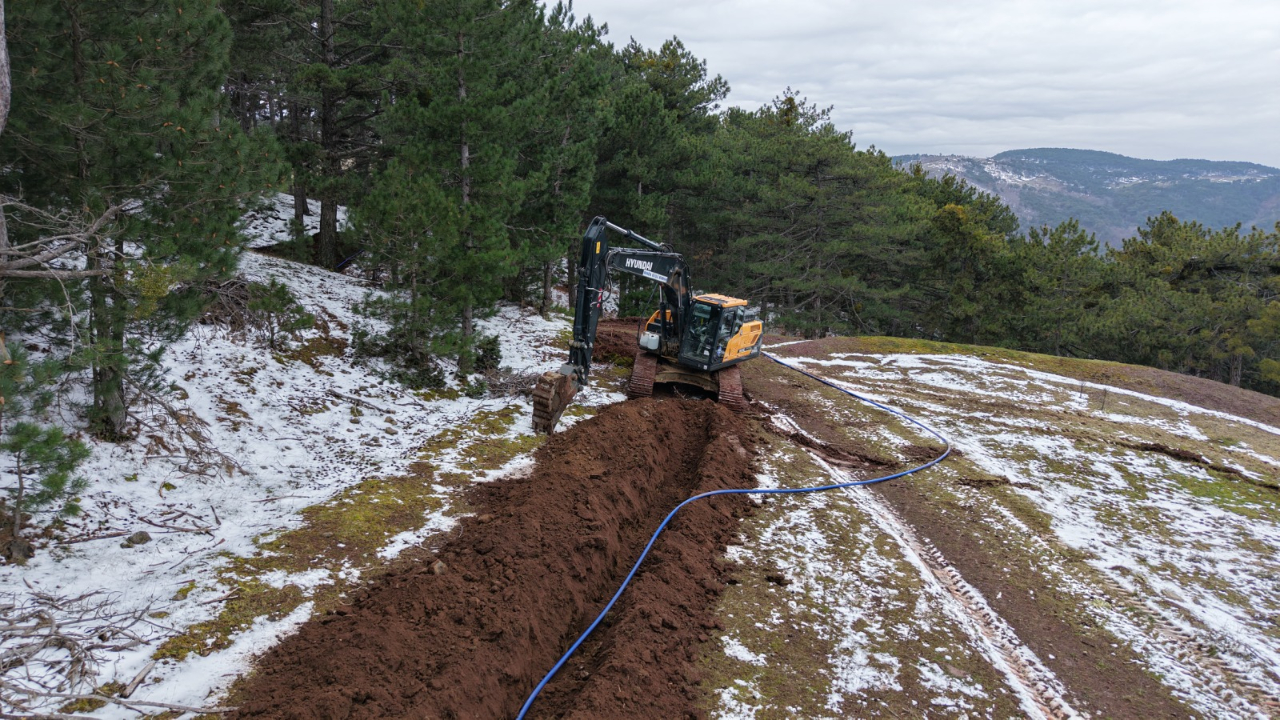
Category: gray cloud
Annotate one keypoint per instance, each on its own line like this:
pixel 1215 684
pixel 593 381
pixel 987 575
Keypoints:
pixel 1173 78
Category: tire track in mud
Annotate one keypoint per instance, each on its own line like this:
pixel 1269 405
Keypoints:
pixel 1190 649
pixel 1195 650
pixel 1038 688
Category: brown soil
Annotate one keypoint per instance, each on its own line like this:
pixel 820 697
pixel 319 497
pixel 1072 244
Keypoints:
pixel 778 390
pixel 469 633
pixel 1188 456
pixel 616 340
pixel 1104 680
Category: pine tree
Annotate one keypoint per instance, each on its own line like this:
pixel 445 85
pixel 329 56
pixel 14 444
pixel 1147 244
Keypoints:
pixel 1059 289
pixel 1182 297
pixel 120 117
pixel 808 225
pixel 313 72
pixel 44 460
pixel 439 215
pixel 558 162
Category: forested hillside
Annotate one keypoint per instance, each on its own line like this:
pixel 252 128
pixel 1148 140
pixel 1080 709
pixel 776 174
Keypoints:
pixel 1111 194
pixel 470 142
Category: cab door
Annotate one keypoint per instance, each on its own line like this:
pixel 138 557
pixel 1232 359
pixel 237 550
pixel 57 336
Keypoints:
pixel 701 336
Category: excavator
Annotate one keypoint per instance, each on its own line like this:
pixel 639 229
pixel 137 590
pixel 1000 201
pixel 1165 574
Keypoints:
pixel 697 340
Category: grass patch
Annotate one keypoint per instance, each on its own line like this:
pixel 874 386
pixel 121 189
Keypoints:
pixel 344 532
pixel 347 531
pixel 481 443
pixel 313 349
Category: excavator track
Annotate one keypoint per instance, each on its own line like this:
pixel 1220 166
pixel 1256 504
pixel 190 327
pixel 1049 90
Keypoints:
pixel 643 372
pixel 731 389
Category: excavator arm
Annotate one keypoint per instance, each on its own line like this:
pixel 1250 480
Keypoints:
pixel 555 390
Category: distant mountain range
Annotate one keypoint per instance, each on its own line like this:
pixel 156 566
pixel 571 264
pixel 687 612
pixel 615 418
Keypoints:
pixel 1111 194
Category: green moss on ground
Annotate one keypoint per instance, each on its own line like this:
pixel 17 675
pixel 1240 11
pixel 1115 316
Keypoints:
pixel 347 531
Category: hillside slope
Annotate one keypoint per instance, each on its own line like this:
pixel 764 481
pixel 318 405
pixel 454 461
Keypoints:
pixel 1111 194
pixel 1102 542
pixel 1087 548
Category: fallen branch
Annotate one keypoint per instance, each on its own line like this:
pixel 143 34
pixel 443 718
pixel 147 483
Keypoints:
pixel 188 555
pixel 280 497
pixel 53 644
pixel 358 401
pixel 231 595
pixel 137 680
pixel 73 541
pixel 117 701
pixel 178 528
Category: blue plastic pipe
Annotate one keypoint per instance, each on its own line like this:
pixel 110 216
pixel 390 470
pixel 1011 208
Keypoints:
pixel 739 491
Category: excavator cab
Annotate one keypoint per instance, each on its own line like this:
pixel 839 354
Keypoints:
pixel 720 331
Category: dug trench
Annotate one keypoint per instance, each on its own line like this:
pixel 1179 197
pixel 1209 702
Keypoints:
pixel 467 633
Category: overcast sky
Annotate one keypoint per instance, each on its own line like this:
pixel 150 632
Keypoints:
pixel 1157 79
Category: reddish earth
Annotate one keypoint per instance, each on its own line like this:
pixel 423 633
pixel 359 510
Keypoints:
pixel 470 637
pixel 616 340
pixel 467 633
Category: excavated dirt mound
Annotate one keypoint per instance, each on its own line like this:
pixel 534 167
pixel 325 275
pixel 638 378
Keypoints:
pixel 470 634
pixel 616 340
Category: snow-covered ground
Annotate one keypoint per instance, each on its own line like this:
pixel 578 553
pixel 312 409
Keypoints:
pixel 270 225
pixel 302 428
pixel 1184 563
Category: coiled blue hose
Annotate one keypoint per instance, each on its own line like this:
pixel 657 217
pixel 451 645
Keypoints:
pixel 739 491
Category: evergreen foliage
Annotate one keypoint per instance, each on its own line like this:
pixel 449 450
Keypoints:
pixel 43 463
pixel 121 117
pixel 278 313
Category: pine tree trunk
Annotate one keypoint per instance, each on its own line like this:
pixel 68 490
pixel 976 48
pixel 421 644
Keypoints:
pixel 106 420
pixel 109 313
pixel 17 501
pixel 6 92
pixel 468 310
pixel 1237 369
pixel 6 87
pixel 299 189
pixel 327 246
pixel 571 263
pixel 545 308
pixel 299 204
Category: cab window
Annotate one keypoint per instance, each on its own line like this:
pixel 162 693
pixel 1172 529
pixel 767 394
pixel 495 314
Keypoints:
pixel 729 324
pixel 700 337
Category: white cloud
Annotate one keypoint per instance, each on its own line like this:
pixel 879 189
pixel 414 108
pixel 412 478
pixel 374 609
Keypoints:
pixel 1150 79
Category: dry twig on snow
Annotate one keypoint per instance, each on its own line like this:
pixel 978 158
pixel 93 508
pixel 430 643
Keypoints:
pixel 51 646
pixel 505 383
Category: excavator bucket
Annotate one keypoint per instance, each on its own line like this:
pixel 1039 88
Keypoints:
pixel 551 395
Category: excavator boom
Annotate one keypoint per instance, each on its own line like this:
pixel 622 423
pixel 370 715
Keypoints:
pixel 555 390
